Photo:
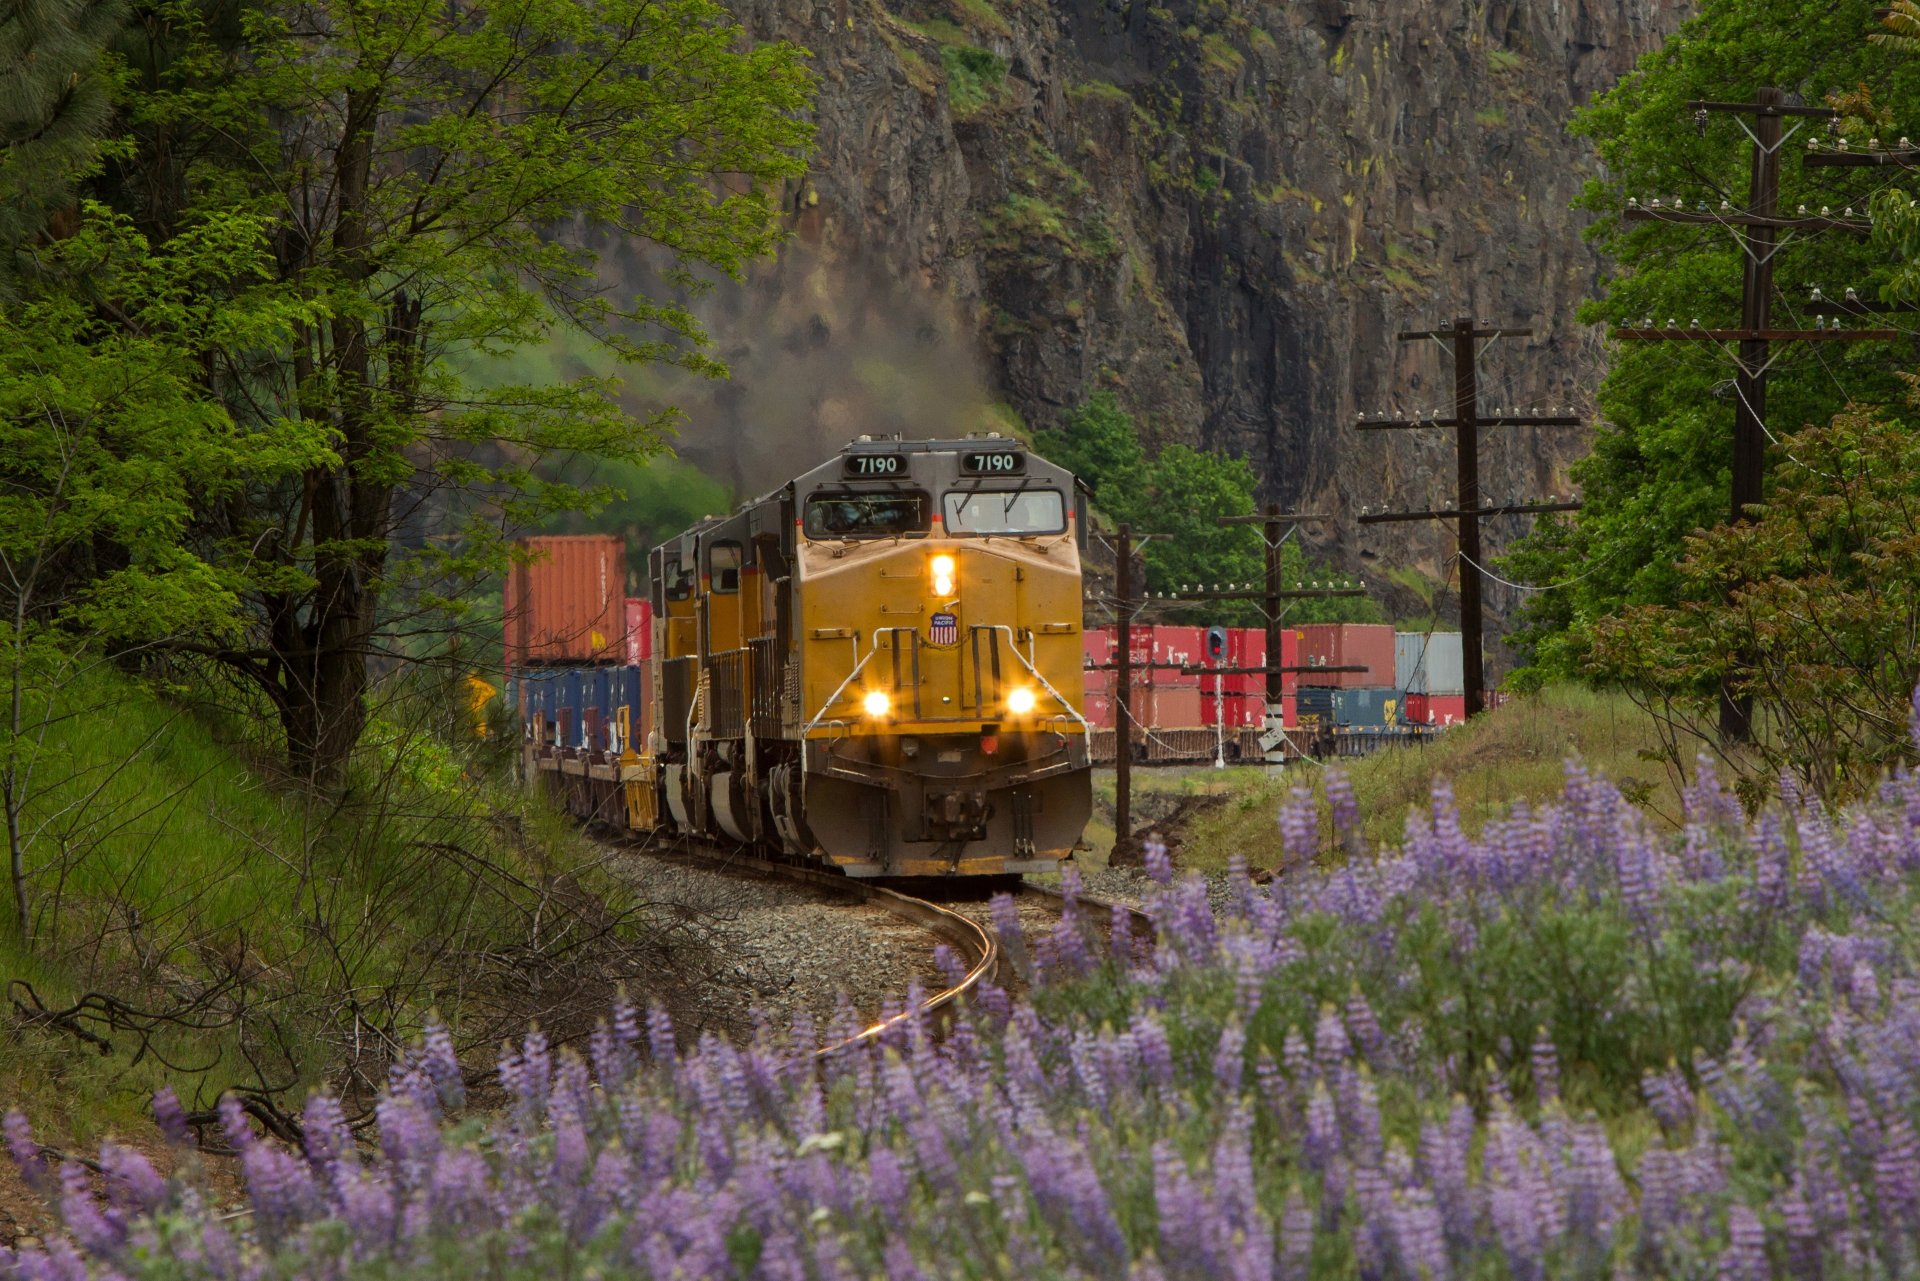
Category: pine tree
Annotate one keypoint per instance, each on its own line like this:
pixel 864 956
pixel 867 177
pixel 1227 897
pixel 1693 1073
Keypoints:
pixel 55 104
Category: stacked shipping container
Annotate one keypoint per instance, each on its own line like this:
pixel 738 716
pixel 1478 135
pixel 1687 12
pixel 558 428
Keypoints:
pixel 577 647
pixel 1428 666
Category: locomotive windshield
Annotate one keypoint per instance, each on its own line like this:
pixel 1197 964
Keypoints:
pixel 1005 511
pixel 866 515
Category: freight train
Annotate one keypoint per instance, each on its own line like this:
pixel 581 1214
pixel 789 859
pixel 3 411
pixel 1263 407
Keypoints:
pixel 875 666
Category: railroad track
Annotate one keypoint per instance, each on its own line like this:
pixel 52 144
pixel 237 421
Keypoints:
pixel 970 938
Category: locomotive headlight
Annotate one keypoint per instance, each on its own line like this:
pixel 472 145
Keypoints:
pixel 876 703
pixel 942 567
pixel 1020 701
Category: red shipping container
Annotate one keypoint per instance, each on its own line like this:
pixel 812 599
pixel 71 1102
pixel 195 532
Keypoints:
pixel 639 630
pixel 1436 709
pixel 1367 645
pixel 1098 709
pixel 1241 710
pixel 1174 648
pixel 1096 646
pixel 567 603
pixel 1168 706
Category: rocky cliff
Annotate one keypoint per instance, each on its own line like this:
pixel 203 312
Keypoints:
pixel 1223 210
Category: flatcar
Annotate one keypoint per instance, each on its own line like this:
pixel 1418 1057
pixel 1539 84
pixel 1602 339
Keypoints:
pixel 875 666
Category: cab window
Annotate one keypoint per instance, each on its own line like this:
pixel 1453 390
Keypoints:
pixel 867 515
pixel 1005 511
pixel 723 566
pixel 679 581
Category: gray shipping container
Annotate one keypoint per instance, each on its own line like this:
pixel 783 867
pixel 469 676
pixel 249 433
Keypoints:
pixel 1428 662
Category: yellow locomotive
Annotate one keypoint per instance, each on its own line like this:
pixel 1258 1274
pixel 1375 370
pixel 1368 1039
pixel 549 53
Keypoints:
pixel 876 665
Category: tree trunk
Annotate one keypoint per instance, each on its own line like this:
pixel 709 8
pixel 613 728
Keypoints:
pixel 326 681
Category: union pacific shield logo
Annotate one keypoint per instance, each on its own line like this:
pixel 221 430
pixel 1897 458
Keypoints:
pixel 944 629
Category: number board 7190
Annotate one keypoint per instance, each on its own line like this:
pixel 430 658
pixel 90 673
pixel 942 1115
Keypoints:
pixel 875 465
pixel 997 462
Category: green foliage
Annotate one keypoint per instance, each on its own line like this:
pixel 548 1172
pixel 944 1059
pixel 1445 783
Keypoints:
pixel 1660 464
pixel 974 77
pixel 1813 607
pixel 1179 494
pixel 436 213
pixel 109 445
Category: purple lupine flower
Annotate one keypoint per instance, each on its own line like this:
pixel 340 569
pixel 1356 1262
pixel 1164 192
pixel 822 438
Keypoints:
pixel 1670 1097
pixel 1364 1027
pixel 1296 1238
pixel 1122 947
pixel 1156 1052
pixel 1158 863
pixel 366 1206
pixel 100 1232
pixel 1444 1153
pixel 1546 1068
pixel 442 1065
pixel 326 1138
pixel 1418 1235
pixel 234 1126
pixel 133 1185
pixel 1331 1048
pixel 1230 1058
pixel 660 1042
pixel 1745 1258
pixel 1340 800
pixel 408 1136
pixel 1300 826
pixel 1803 1234
pixel 26 1154
pixel 457 1193
pixel 899 1262
pixel 1323 1129
pixel 171 1117
pixel 1896 1173
pixel 1295 1058
pixel 279 1185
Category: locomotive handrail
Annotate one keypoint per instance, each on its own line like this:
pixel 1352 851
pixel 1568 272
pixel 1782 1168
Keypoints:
pixel 859 664
pixel 1058 697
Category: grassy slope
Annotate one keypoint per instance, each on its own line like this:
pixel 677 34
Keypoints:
pixel 1516 753
pixel 167 861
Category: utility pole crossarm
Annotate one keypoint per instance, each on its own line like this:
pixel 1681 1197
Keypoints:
pixel 1677 334
pixel 1414 335
pixel 1303 593
pixel 1764 108
pixel 1904 157
pixel 1296 518
pixel 1852 226
pixel 1512 509
pixel 1195 670
pixel 1511 420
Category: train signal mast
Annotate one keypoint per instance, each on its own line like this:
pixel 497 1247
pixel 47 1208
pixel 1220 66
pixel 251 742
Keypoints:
pixel 1464 337
pixel 1759 229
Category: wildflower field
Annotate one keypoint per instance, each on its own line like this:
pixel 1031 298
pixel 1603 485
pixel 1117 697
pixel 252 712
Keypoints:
pixel 1568 1047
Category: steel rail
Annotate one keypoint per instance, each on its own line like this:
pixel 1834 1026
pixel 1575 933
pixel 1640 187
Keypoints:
pixel 966 936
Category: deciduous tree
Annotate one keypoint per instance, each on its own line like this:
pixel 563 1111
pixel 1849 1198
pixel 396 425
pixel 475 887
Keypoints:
pixel 432 179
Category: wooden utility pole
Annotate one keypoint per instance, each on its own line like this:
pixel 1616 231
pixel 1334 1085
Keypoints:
pixel 1468 420
pixel 1758 228
pixel 1123 723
